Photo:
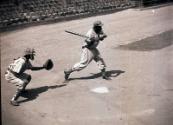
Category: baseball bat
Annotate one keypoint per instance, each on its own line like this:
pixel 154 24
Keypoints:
pixel 77 34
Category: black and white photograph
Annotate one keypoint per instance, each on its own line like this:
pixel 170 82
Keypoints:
pixel 86 62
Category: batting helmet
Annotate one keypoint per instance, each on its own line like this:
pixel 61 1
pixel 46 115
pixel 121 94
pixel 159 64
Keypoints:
pixel 97 23
pixel 29 51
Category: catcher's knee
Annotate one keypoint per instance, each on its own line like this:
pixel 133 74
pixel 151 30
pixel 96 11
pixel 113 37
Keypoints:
pixel 23 86
pixel 24 83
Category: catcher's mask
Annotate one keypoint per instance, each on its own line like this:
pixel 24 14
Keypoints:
pixel 29 53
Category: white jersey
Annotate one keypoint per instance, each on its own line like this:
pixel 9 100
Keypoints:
pixel 20 65
pixel 92 34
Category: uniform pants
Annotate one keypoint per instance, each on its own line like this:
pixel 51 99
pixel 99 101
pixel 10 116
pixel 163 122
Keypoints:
pixel 87 56
pixel 20 80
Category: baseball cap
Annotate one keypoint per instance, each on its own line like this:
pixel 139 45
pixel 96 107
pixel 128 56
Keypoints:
pixel 29 51
pixel 97 23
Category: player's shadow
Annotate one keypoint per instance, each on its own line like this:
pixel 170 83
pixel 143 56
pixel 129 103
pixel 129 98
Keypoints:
pixel 111 73
pixel 32 94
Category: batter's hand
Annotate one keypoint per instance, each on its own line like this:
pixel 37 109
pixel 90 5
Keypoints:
pixel 102 36
pixel 94 38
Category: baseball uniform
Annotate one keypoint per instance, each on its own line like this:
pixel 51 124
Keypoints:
pixel 15 72
pixel 90 52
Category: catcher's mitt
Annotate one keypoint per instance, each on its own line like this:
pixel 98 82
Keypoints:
pixel 48 64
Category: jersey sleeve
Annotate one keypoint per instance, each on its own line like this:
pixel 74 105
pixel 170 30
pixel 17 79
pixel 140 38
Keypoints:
pixel 90 34
pixel 28 65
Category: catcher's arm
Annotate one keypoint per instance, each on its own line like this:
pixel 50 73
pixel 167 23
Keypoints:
pixel 31 67
pixel 37 68
pixel 47 65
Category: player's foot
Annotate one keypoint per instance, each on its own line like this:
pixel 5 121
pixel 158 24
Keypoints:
pixel 106 77
pixel 24 91
pixel 67 74
pixel 14 103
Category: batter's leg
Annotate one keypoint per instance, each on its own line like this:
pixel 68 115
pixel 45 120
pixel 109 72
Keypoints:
pixel 101 63
pixel 86 58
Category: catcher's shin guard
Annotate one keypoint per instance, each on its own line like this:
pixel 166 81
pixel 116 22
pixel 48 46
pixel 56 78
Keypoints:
pixel 26 83
pixel 24 88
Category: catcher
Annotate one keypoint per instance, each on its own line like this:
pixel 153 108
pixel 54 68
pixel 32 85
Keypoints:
pixel 15 72
pixel 90 51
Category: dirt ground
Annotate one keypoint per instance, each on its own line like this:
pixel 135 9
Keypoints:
pixel 138 53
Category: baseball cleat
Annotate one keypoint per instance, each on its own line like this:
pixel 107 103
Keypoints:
pixel 67 74
pixel 106 77
pixel 14 103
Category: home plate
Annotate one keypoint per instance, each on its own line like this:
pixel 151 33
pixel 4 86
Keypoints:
pixel 100 90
